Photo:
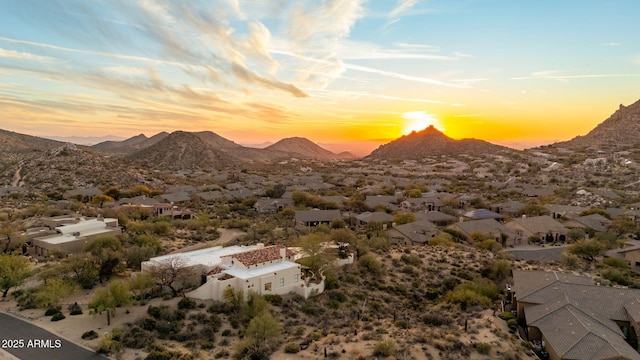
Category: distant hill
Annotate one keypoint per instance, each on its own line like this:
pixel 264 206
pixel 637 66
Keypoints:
pixel 14 143
pixel 129 145
pixel 199 150
pixel 302 148
pixel 85 140
pixel 430 142
pixel 184 150
pixel 620 130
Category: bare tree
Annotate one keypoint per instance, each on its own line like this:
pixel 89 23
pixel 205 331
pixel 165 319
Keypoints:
pixel 172 273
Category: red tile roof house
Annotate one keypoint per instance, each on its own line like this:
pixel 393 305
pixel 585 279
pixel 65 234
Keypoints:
pixel 264 270
pixel 574 318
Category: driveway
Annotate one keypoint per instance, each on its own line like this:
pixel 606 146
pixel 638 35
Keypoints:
pixel 23 340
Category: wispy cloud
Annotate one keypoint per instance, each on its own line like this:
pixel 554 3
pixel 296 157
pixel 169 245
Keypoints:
pixel 555 75
pixel 12 54
pixel 402 6
pixel 402 76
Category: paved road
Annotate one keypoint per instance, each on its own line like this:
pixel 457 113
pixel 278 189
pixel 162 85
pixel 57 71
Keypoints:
pixel 26 341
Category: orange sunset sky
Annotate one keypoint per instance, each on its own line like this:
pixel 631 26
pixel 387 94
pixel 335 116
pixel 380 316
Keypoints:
pixel 347 74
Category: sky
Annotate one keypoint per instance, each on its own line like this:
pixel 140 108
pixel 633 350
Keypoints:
pixel 349 74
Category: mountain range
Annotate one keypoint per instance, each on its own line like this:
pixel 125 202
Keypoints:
pixel 620 130
pixel 183 150
pixel 430 142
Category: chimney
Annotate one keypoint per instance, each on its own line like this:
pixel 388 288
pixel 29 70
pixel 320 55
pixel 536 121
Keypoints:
pixel 283 253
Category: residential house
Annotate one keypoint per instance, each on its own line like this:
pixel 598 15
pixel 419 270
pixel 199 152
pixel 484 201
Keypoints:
pixel 480 214
pixel 264 270
pixel 429 203
pixel 508 208
pixel 607 194
pixel 8 190
pixel 141 201
pixel 436 217
pixel 83 194
pixel 542 227
pixel 596 222
pixel 336 199
pixel 487 226
pixel 189 189
pixel 387 201
pixel 172 211
pixel 175 198
pixel 316 217
pixel 575 319
pixel 269 205
pixel 214 195
pixel 564 211
pixel 72 237
pixel 630 252
pixel 378 217
pixel 415 233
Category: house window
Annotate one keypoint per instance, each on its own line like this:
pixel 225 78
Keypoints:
pixel 281 282
pixel 637 263
pixel 267 286
pixel 296 278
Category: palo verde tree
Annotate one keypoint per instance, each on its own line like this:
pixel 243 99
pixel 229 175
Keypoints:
pixel 10 237
pixel 108 298
pixel 107 252
pixel 14 269
pixel 313 245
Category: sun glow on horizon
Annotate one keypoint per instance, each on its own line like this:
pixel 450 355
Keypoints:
pixel 418 121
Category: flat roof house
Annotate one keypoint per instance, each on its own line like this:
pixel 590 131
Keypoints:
pixel 73 237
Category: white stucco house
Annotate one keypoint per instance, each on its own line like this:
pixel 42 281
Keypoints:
pixel 262 269
pixel 73 235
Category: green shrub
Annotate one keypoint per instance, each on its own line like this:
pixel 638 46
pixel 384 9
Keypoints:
pixel 89 335
pixel 221 354
pixel 187 304
pixel 488 245
pixel 512 323
pixel 483 348
pixel 273 299
pixel 52 311
pixel 57 316
pixel 403 324
pixel 570 261
pixel 411 259
pixel 436 319
pixel 616 275
pixel 159 355
pixel 615 262
pixel 75 309
pixel 136 338
pixel 292 348
pixel 385 348
pixel 506 315
pixel 371 264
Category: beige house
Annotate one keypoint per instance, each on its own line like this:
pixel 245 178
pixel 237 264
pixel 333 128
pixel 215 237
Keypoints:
pixel 630 252
pixel 543 227
pixel 72 237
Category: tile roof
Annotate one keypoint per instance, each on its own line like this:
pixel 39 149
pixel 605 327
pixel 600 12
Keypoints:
pixel 262 255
